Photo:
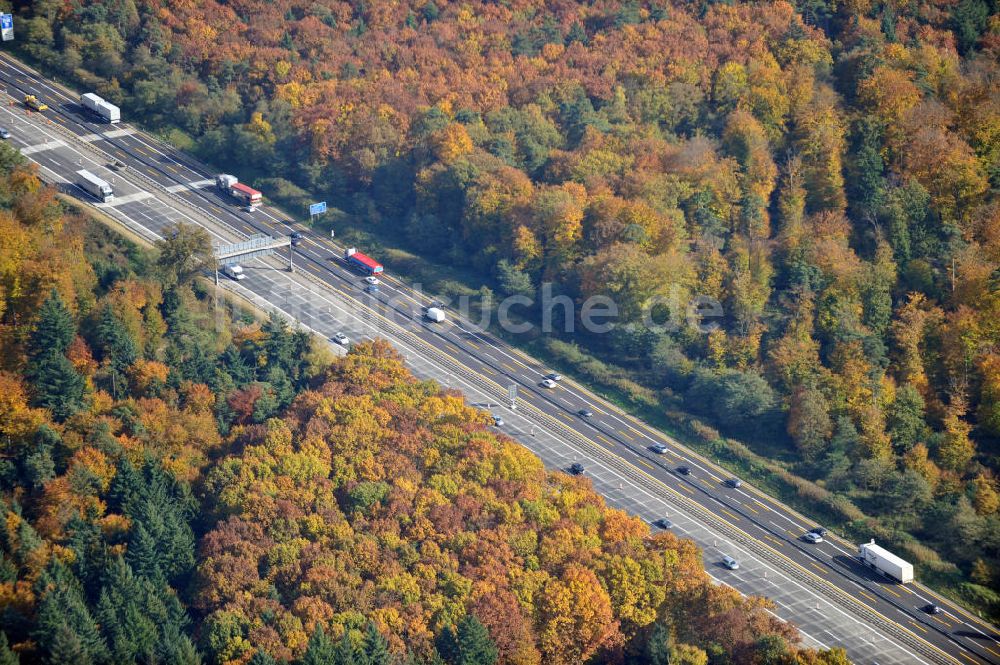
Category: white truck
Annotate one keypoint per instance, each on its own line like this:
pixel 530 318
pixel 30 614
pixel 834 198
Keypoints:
pixel 99 189
pixel 885 562
pixel 98 106
pixel 435 314
pixel 231 185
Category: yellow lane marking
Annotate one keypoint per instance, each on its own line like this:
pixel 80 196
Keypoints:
pixel 686 489
pixel 892 592
pixel 627 436
pixel 509 367
pixel 472 344
pixel 605 439
pixel 774 540
pixel 869 596
pixel 564 416
pixel 991 651
pixel 818 567
pixel 968 657
pixel 646 464
pixel 731 514
pixel 752 510
pixel 917 625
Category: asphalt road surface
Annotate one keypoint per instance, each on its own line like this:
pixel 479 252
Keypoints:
pixel 822 588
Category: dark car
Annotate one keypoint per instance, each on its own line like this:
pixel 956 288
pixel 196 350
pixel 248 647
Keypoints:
pixel 664 523
pixel 819 531
pixel 576 468
pixel 585 413
pixel 684 471
pixel 372 288
pixel 931 608
pixel 658 448
pixel 733 482
pixel 296 238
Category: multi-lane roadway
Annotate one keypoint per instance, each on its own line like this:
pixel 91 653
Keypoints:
pixel 821 587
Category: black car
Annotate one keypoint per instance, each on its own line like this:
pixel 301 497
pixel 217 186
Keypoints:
pixel 664 523
pixel 931 608
pixel 819 531
pixel 576 468
pixel 296 238
pixel 733 482
pixel 585 413
pixel 684 471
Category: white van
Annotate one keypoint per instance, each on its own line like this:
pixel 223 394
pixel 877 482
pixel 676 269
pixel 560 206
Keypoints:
pixel 234 270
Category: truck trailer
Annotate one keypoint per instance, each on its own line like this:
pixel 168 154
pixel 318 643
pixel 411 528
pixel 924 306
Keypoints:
pixel 366 263
pixel 96 187
pixel 105 110
pixel 434 314
pixel 246 195
pixel 885 562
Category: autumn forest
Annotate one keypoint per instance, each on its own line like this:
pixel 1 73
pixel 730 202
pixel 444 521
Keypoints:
pixel 826 171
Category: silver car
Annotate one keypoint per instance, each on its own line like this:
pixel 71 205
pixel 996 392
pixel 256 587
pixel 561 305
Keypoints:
pixel 730 563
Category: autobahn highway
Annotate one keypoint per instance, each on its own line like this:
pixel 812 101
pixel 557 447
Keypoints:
pixel 822 588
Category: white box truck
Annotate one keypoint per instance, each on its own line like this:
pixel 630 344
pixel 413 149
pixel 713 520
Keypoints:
pixel 885 562
pixel 106 110
pixel 99 189
pixel 434 314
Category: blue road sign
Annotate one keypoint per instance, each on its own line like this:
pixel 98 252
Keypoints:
pixel 317 208
pixel 7 26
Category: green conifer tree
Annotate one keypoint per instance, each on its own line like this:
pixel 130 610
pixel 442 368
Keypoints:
pixel 320 650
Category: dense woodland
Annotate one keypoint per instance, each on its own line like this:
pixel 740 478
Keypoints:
pixel 182 486
pixel 828 171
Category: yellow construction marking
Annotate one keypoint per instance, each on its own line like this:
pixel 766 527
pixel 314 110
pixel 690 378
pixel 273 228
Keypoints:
pixel 509 367
pixel 991 651
pixel 752 510
pixel 627 436
pixel 646 464
pixel 917 626
pixel 892 592
pixel 869 596
pixel 818 567
pixel 968 657
pixel 793 534
pixel 774 540
pixel 731 514
pixel 472 344
pixel 564 416
pixel 686 489
pixel 605 439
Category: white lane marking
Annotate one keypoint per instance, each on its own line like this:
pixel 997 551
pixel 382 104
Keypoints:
pixel 128 198
pixel 48 145
pixel 113 134
pixel 197 184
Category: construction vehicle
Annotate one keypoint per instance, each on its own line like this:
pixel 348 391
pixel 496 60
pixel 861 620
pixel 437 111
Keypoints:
pixel 34 104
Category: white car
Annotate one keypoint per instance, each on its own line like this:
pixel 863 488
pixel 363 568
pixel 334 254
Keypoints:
pixel 497 421
pixel 813 538
pixel 372 280
pixel 548 383
pixel 342 339
pixel 658 448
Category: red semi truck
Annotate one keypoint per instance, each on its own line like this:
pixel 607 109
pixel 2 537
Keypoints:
pixel 248 196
